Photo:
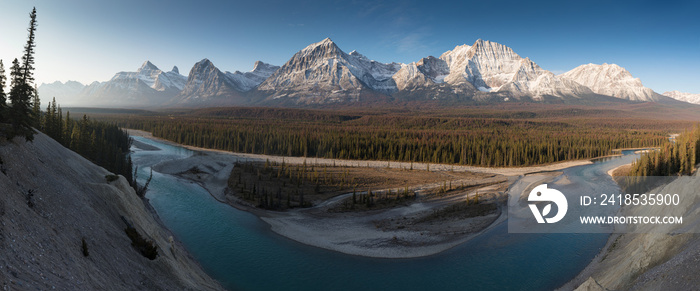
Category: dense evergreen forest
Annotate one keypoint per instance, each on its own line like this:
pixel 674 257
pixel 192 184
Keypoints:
pixel 103 143
pixel 676 157
pixel 518 139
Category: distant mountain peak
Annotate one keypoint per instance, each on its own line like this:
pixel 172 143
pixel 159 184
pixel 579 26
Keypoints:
pixel 682 96
pixel 612 80
pixel 325 42
pixel 204 63
pixel 148 66
pixel 249 80
pixel 326 46
pixel 175 70
pixel 359 56
pixel 206 84
pixel 262 66
pixel 322 72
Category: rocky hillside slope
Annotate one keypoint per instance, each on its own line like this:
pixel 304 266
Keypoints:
pixel 658 256
pixel 52 199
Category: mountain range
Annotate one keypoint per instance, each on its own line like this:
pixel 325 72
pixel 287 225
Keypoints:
pixel 685 97
pixel 322 73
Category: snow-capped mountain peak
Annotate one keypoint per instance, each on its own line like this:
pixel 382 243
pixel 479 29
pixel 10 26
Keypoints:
pixel 207 85
pixel 203 64
pixel 175 70
pixel 151 76
pixel 326 46
pixel 206 82
pixel 148 66
pixel 611 80
pixel 490 64
pixel 262 68
pixel 682 96
pixel 331 74
pixel 493 67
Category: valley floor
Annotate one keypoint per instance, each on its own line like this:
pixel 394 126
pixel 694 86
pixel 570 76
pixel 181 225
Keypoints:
pixel 646 261
pixel 407 231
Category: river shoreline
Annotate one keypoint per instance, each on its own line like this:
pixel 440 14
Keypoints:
pixel 506 171
pixel 626 260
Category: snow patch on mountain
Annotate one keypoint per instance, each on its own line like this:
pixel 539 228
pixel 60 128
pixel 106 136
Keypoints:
pixel 249 80
pixel 426 72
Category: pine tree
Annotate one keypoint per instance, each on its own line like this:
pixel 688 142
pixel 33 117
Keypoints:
pixel 83 138
pixel 58 120
pixel 22 92
pixel 20 113
pixel 28 57
pixel 67 130
pixel 3 96
pixel 36 108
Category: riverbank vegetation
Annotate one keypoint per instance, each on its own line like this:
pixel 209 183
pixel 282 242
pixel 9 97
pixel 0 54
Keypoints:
pixel 678 156
pixel 279 186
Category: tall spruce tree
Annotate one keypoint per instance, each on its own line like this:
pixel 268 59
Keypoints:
pixel 28 57
pixel 22 91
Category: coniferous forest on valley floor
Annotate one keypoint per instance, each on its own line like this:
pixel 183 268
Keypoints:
pixel 495 136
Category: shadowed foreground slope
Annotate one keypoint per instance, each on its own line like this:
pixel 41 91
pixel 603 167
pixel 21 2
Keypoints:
pixel 52 199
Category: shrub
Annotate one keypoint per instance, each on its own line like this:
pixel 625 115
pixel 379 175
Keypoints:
pixel 146 247
pixel 85 248
pixel 111 178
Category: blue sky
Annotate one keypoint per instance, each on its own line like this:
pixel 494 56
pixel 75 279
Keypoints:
pixel 84 40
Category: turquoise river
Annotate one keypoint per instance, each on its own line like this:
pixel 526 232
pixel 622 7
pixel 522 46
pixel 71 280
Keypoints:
pixel 240 250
